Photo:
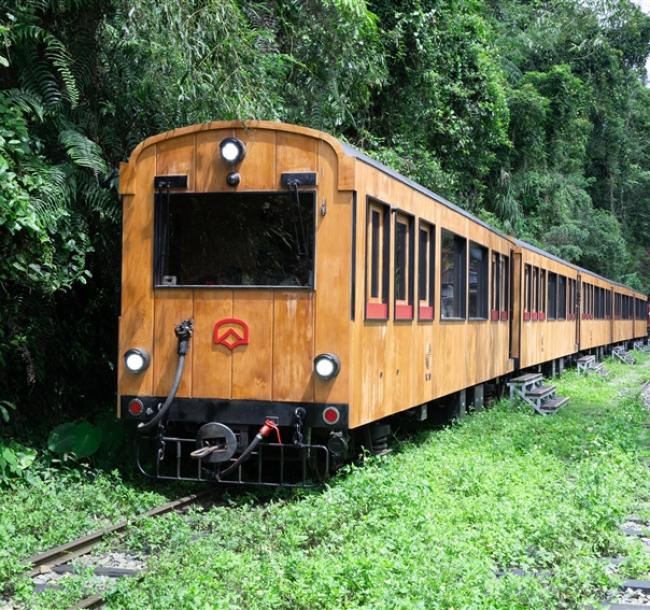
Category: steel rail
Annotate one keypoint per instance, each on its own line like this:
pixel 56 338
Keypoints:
pixel 43 562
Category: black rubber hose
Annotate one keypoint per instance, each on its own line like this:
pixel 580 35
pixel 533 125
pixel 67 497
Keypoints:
pixel 244 455
pixel 183 333
pixel 168 401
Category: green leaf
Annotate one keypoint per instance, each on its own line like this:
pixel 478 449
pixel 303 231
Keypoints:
pixel 87 439
pixel 61 439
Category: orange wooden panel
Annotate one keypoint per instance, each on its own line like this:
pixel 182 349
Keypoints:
pixel 252 364
pixel 295 153
pixel 136 322
pixel 333 284
pixel 258 168
pixel 293 346
pixel 172 307
pixel 212 364
pixel 176 157
pixel 211 171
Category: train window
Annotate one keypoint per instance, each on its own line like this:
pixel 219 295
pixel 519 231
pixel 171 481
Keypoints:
pixel 478 282
pixel 552 295
pixel 234 239
pixel 528 299
pixel 617 306
pixel 453 276
pixel 505 287
pixel 561 297
pixel 608 304
pixel 377 249
pixel 495 286
pixel 403 269
pixel 426 270
pixel 535 305
pixel 600 303
pixel 541 291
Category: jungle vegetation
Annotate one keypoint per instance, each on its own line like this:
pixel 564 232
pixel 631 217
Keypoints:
pixel 535 115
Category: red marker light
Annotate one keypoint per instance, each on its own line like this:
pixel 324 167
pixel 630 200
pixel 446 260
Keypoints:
pixel 331 415
pixel 136 407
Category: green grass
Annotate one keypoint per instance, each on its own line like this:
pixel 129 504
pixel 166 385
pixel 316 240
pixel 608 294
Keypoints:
pixel 428 527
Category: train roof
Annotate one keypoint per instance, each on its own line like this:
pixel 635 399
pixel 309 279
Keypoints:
pixel 357 154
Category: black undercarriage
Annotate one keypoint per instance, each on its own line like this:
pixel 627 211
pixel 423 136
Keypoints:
pixel 217 441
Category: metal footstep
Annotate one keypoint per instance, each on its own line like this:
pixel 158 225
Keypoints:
pixel 541 398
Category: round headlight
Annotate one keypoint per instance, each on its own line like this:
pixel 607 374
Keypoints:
pixel 327 366
pixel 136 360
pixel 233 150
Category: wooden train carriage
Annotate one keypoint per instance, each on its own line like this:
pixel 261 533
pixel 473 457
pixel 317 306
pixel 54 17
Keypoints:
pixel 566 309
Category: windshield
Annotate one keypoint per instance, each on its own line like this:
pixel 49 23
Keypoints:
pixel 234 239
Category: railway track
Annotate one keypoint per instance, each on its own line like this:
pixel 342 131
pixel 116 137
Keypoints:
pixel 57 558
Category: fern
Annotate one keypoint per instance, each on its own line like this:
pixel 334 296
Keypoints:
pixel 55 51
pixel 26 100
pixel 82 151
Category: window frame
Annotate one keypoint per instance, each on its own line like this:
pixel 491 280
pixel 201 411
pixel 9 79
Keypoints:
pixel 552 311
pixel 561 297
pixel 528 297
pixel 161 204
pixel 483 290
pixel 376 307
pixel 403 308
pixel 426 306
pixel 541 314
pixel 463 283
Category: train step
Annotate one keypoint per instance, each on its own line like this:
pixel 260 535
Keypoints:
pixel 520 385
pixel 588 364
pixel 527 378
pixel 541 391
pixel 555 403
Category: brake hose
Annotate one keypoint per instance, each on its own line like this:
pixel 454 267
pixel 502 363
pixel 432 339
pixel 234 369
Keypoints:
pixel 263 432
pixel 183 333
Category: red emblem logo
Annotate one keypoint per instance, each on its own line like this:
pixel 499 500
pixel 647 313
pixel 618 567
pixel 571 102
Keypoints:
pixel 230 332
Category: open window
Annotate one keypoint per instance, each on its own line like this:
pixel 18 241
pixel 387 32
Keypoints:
pixel 377 253
pixel 453 276
pixel 234 239
pixel 478 282
pixel 403 267
pixel 426 270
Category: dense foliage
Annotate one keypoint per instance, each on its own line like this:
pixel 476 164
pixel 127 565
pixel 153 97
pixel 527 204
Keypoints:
pixel 534 115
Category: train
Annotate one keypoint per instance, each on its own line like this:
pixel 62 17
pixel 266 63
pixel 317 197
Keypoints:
pixel 284 297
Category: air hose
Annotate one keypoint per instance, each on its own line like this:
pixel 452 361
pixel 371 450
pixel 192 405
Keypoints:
pixel 263 432
pixel 183 333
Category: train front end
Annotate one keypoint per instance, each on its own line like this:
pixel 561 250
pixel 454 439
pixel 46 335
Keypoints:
pixel 234 326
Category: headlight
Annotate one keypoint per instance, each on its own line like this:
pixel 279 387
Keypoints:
pixel 233 150
pixel 136 360
pixel 327 366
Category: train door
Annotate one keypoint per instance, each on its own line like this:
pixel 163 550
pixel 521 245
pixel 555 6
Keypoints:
pixel 515 306
pixel 578 310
